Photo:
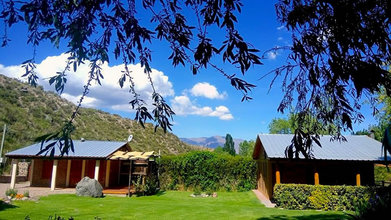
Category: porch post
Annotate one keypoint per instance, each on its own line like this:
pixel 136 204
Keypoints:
pixel 14 169
pixel 316 176
pixel 31 171
pixel 278 179
pixel 358 179
pixel 83 168
pixel 97 165
pixel 107 177
pixel 68 173
pixel 54 175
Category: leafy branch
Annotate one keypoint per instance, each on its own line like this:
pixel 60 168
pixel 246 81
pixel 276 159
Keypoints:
pixel 90 29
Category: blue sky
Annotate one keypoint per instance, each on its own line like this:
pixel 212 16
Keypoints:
pixel 205 104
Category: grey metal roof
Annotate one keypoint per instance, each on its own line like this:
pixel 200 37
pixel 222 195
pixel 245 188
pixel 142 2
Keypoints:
pixel 93 149
pixel 357 147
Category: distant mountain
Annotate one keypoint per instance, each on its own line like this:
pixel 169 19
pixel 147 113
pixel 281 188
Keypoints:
pixel 211 142
pixel 30 112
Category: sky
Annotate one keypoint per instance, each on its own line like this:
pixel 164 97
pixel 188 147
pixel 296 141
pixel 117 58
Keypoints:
pixel 205 104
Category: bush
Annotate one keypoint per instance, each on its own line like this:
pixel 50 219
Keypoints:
pixel 207 171
pixel 11 192
pixel 139 188
pixel 26 194
pixel 378 206
pixel 301 196
pixel 151 185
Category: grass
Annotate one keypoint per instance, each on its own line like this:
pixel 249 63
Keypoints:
pixel 166 205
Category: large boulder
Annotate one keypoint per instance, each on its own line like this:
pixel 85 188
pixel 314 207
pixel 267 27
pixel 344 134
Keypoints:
pixel 89 187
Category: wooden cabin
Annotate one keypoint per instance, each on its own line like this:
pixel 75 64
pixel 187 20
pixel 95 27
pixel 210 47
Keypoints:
pixel 334 163
pixel 109 162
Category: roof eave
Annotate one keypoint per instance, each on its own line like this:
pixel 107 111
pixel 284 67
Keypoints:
pixel 314 159
pixel 55 157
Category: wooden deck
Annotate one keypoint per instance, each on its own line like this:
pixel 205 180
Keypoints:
pixel 123 190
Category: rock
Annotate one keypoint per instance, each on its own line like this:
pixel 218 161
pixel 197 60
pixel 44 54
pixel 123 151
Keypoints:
pixel 192 195
pixel 214 195
pixel 89 187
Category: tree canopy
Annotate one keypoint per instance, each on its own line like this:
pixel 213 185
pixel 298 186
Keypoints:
pixel 338 57
pixel 246 148
pixel 381 130
pixel 282 126
pixel 290 125
pixel 338 54
pixel 93 29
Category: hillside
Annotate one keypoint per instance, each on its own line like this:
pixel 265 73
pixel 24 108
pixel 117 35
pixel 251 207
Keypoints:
pixel 30 112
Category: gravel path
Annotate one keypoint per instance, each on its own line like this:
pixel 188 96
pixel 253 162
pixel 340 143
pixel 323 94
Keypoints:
pixel 35 192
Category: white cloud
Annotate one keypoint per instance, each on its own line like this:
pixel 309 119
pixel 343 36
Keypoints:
pixel 89 102
pixel 280 27
pixel 182 105
pixel 280 38
pixel 272 55
pixel 207 90
pixel 109 95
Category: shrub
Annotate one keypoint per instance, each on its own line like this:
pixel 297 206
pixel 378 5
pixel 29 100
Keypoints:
pixel 292 196
pixel 197 191
pixel 11 192
pixel 377 207
pixel 151 185
pixel 301 196
pixel 322 198
pixel 139 188
pixel 208 171
pixel 26 194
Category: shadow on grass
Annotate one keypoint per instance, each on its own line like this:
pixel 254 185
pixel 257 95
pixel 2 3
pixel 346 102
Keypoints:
pixel 308 217
pixel 4 206
pixel 160 193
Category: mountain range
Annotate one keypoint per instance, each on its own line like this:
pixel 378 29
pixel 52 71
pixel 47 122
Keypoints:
pixel 211 142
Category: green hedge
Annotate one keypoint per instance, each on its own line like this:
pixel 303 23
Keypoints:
pixel 300 196
pixel 207 171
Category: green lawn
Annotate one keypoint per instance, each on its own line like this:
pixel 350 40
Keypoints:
pixel 167 205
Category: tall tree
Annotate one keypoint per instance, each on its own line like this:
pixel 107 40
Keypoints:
pixel 385 122
pixel 337 58
pixel 382 130
pixel 229 145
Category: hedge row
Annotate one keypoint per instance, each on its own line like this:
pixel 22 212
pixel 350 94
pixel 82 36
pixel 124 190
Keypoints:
pixel 301 196
pixel 207 171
